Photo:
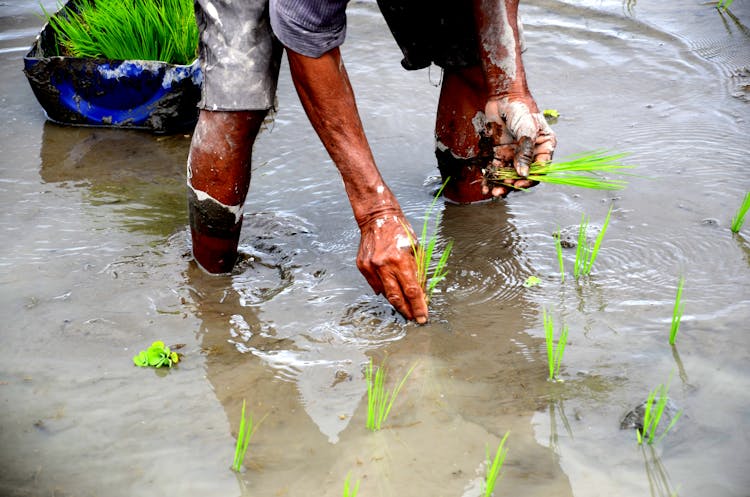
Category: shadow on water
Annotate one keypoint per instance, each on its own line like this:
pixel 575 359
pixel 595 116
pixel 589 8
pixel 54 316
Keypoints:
pixel 136 176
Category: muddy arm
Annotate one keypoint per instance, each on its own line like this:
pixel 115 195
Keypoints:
pixel 385 257
pixel 509 101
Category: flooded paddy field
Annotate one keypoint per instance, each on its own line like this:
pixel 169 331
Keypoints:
pixel 95 265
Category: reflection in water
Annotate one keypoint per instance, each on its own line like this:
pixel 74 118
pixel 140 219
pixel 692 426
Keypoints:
pixel 557 407
pixel 137 176
pixel 741 28
pixel 658 478
pixel 680 367
pixel 629 6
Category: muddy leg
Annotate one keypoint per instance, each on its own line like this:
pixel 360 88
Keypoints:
pixel 218 178
pixel 464 146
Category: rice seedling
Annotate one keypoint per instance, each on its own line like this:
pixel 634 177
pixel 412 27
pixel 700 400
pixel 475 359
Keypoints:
pixel 244 434
pixel 586 253
pixel 379 400
pixel 654 410
pixel 494 466
pixel 163 30
pixel 724 4
pixel 739 219
pixel 425 252
pixel 554 353
pixel 676 312
pixel 348 491
pixel 558 248
pixel 578 170
pixel 532 281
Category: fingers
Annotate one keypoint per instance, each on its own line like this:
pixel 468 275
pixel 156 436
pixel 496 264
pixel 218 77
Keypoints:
pixel 389 267
pixel 418 303
pixel 545 146
pixel 524 155
pixel 406 297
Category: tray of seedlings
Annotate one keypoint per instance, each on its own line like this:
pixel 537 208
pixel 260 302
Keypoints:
pixel 118 63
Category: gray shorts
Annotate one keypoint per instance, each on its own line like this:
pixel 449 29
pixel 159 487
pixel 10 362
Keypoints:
pixel 240 56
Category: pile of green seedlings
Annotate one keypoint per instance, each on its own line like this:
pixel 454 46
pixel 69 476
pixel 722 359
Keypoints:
pixel 163 30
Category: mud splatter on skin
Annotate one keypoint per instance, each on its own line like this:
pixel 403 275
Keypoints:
pixel 502 55
pixel 403 242
pixel 211 11
pixel 524 122
pixel 209 216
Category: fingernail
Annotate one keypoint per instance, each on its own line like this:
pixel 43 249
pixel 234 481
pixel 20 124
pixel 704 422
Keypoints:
pixel 421 319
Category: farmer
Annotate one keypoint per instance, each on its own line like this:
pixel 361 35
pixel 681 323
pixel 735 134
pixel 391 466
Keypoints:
pixel 486 118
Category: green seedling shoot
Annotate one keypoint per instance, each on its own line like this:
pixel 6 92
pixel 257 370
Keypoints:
pixel 558 248
pixel 739 219
pixel 494 466
pixel 554 354
pixel 578 171
pixel 676 313
pixel 244 434
pixel 586 253
pixel 379 400
pixel 425 252
pixel 353 491
pixel 163 30
pixel 157 355
pixel 724 4
pixel 654 410
pixel 532 281
pixel 551 113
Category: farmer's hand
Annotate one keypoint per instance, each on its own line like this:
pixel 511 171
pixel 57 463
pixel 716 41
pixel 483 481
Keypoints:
pixel 524 138
pixel 387 261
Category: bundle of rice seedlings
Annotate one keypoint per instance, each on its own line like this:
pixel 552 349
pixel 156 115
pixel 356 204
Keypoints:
pixel 578 170
pixel 426 253
pixel 379 400
pixel 494 466
pixel 676 313
pixel 554 353
pixel 162 30
pixel 350 491
pixel 244 434
pixel 655 405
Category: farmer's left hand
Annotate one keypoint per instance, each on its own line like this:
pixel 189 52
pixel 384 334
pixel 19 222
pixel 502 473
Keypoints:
pixel 524 138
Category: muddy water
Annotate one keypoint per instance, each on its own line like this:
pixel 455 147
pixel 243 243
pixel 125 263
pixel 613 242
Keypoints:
pixel 94 265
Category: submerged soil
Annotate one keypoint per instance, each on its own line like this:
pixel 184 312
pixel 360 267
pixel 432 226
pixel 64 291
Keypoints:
pixel 95 265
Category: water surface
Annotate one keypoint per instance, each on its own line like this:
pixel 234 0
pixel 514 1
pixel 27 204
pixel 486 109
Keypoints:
pixel 95 265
